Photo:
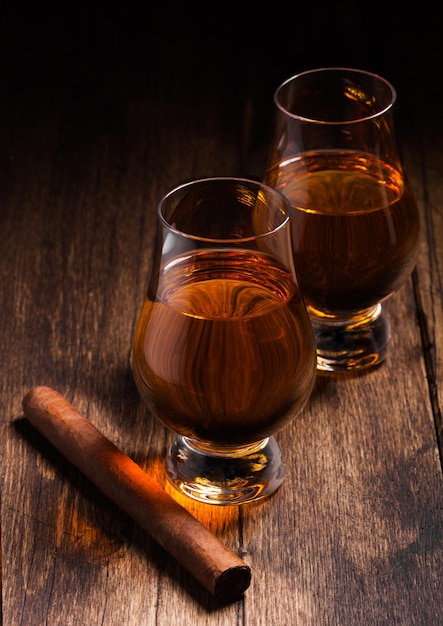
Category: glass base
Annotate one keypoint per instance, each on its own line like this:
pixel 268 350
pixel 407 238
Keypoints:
pixel 354 344
pixel 225 475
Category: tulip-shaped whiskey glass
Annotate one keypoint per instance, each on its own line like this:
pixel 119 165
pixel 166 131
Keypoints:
pixel 224 351
pixel 354 218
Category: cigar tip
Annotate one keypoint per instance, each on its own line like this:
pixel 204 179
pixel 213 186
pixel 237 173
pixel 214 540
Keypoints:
pixel 36 391
pixel 39 394
pixel 232 583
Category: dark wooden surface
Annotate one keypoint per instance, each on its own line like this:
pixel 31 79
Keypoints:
pixel 100 115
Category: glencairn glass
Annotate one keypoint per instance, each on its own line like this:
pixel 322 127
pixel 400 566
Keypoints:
pixel 354 218
pixel 224 351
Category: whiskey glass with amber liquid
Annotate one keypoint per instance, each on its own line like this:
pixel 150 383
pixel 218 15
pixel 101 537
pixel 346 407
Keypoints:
pixel 355 222
pixel 224 351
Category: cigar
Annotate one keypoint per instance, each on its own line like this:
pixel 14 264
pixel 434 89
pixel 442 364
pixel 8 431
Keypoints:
pixel 195 547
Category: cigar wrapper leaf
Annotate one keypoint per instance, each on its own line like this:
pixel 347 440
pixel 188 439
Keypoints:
pixel 197 549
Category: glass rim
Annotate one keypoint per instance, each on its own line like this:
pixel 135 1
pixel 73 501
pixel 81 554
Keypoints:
pixel 303 118
pixel 251 183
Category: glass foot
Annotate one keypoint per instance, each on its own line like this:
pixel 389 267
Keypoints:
pixel 351 344
pixel 225 475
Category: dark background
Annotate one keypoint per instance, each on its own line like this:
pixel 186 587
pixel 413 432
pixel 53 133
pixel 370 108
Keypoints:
pixel 78 65
pixel 219 46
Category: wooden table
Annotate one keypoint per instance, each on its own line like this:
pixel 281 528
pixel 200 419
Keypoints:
pixel 100 116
